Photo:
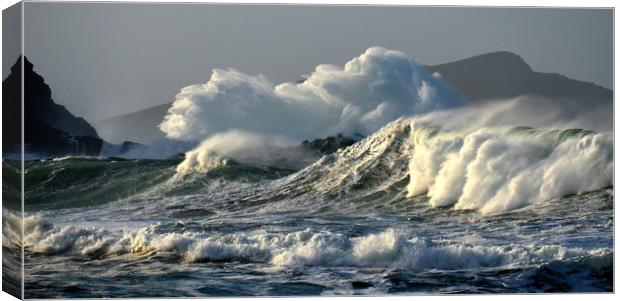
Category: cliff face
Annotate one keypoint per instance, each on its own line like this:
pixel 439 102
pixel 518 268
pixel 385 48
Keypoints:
pixel 11 111
pixel 49 129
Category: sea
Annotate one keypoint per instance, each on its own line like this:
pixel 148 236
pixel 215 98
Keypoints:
pixel 410 209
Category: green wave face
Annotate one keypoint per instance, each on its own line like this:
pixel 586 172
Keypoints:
pixel 82 182
pixel 375 167
pixel 11 184
pixel 551 137
pixel 76 182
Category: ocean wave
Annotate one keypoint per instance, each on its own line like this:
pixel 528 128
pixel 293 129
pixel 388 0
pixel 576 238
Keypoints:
pixel 582 274
pixel 391 248
pixel 491 170
pixel 497 170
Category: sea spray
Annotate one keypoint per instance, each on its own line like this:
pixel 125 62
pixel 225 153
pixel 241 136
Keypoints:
pixel 371 90
pixel 497 170
pixel 493 169
pixel 390 248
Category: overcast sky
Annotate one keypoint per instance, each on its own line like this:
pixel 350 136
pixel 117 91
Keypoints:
pixel 105 59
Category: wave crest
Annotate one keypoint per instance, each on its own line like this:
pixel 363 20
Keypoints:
pixel 491 170
pixel 496 170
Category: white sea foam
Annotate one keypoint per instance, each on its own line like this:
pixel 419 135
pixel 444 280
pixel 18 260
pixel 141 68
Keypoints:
pixel 497 170
pixel 371 90
pixel 238 115
pixel 391 248
pixel 479 158
pixel 247 112
pixel 493 169
pixel 245 148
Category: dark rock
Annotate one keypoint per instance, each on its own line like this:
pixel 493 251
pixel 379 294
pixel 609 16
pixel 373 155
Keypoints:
pixel 54 142
pixel 361 285
pixel 49 129
pixel 330 144
pixel 88 145
pixel 11 111
pixel 129 145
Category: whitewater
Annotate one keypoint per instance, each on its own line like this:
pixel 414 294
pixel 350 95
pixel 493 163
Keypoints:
pixel 501 197
pixel 389 214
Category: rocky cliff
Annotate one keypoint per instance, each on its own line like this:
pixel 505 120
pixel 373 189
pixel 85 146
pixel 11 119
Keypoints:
pixel 49 128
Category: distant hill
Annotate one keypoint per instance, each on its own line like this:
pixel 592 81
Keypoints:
pixel 479 79
pixel 140 126
pixel 504 74
pixel 49 128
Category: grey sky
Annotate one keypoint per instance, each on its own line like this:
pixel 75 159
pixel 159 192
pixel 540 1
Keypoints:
pixel 102 59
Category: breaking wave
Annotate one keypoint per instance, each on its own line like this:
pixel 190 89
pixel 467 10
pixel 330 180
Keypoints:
pixel 497 170
pixel 371 90
pixel 492 170
pixel 391 248
pixel 417 205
